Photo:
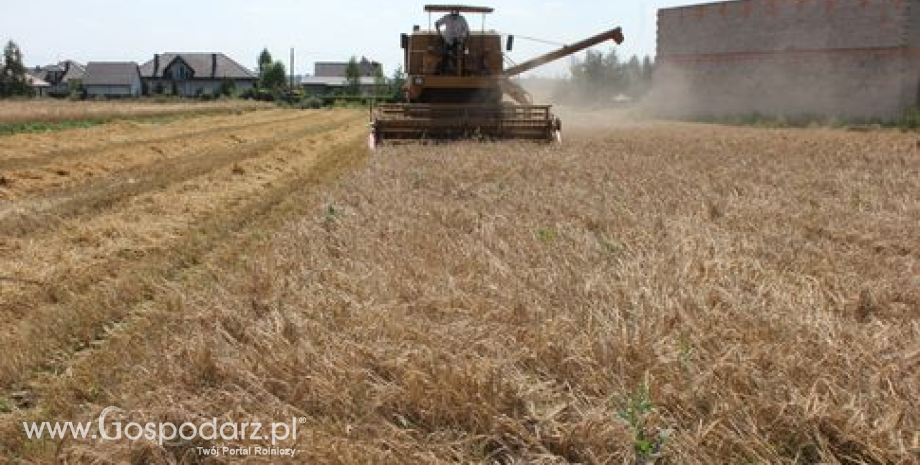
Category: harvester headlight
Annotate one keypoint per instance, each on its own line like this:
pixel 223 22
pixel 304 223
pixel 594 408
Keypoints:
pixel 419 81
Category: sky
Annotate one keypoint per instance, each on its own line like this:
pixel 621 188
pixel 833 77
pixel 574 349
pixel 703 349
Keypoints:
pixel 110 30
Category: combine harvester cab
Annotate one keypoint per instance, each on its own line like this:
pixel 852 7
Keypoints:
pixel 456 84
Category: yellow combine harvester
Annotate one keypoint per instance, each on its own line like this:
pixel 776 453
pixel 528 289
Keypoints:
pixel 457 81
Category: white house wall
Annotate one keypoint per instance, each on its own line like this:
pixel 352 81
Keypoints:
pixel 197 87
pixel 111 91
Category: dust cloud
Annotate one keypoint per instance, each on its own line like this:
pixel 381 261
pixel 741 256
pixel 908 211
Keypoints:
pixel 844 88
pixel 594 116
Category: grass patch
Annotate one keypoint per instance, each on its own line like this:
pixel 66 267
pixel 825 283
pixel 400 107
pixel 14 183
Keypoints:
pixel 28 128
pixel 43 115
pixel 32 127
pixel 911 120
pixel 770 121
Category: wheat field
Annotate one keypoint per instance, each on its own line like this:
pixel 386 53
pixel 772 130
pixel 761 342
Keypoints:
pixel 645 293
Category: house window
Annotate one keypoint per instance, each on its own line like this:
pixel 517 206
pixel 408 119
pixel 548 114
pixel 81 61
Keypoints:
pixel 181 73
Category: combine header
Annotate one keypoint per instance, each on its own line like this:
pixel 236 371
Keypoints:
pixel 457 81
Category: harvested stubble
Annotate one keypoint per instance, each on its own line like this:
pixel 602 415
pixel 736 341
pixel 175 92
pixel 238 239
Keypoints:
pixel 512 303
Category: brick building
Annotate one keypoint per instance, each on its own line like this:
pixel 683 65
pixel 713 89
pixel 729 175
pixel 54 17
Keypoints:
pixel 854 59
pixel 366 68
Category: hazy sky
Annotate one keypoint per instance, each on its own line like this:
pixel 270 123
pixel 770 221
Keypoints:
pixel 101 30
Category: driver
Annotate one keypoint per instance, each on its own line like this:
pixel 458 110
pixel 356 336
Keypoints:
pixel 455 28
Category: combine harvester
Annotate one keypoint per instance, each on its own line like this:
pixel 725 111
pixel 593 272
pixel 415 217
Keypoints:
pixel 456 82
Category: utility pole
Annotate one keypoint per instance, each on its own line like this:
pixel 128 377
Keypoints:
pixel 292 70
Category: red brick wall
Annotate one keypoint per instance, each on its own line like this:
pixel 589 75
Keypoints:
pixel 748 26
pixel 854 59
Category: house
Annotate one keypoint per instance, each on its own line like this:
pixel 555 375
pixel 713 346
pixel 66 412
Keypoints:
pixel 62 78
pixel 112 80
pixel 331 78
pixel 196 74
pixel 366 68
pixel 313 85
pixel 39 86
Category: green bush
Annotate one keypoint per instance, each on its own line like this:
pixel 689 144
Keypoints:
pixel 311 103
pixel 262 95
pixel 911 119
pixel 227 87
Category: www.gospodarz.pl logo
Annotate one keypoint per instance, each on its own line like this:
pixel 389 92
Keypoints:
pixel 165 432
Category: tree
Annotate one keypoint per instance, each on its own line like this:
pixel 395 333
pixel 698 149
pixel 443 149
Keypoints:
pixel 265 61
pixel 648 71
pixel 380 81
pixel 600 77
pixel 353 77
pixel 75 88
pixel 591 76
pixel 633 82
pixel 227 87
pixel 615 74
pixel 13 81
pixel 398 85
pixel 275 76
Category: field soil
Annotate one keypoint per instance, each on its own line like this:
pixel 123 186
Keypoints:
pixel 645 293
